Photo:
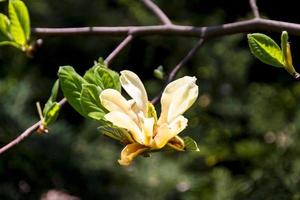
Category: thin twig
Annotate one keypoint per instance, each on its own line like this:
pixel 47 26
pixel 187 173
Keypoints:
pixel 176 69
pixel 119 48
pixel 20 138
pixel 157 11
pixel 254 8
pixel 245 26
pixel 26 133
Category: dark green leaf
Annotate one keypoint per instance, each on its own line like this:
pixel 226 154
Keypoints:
pixel 265 49
pixel 114 132
pixel 20 22
pixel 71 84
pixel 190 144
pixel 51 114
pixel 90 102
pixel 52 97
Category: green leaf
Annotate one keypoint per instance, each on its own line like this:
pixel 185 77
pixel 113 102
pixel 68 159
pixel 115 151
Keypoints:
pixel 90 77
pixel 108 78
pixel 52 114
pixel 4 28
pixel 90 102
pixel 103 77
pixel 265 49
pixel 20 22
pixel 52 97
pixel 284 44
pixel 71 85
pixel 190 144
pixel 114 132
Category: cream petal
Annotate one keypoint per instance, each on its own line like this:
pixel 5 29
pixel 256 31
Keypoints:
pixel 147 125
pixel 177 143
pixel 130 152
pixel 135 88
pixel 177 97
pixel 112 100
pixel 166 131
pixel 122 120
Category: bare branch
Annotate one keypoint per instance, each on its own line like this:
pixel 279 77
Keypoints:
pixel 190 54
pixel 254 8
pixel 178 30
pixel 20 138
pixel 119 48
pixel 176 69
pixel 157 11
pixel 26 133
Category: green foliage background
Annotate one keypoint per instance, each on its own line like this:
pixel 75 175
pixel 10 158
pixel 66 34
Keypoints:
pixel 246 120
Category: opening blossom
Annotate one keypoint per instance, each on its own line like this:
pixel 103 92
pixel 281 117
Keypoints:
pixel 138 115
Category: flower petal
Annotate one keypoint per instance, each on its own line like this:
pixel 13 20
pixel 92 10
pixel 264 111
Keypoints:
pixel 177 97
pixel 147 125
pixel 112 100
pixel 135 88
pixel 122 120
pixel 177 143
pixel 166 131
pixel 130 152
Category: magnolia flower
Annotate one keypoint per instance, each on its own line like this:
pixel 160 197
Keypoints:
pixel 138 115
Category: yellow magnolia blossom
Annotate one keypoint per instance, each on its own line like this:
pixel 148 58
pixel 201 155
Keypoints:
pixel 138 115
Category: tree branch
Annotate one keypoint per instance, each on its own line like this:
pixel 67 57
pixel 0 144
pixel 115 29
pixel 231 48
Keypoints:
pixel 256 24
pixel 29 131
pixel 254 8
pixel 119 48
pixel 157 11
pixel 176 69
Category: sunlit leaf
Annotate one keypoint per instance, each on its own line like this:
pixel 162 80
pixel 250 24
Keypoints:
pixel 52 113
pixel 20 22
pixel 71 84
pixel 265 49
pixel 4 28
pixel 108 78
pixel 52 97
pixel 90 102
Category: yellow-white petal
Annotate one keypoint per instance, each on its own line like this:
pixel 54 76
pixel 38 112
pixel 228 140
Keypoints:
pixel 122 120
pixel 130 152
pixel 165 131
pixel 112 100
pixel 135 88
pixel 177 97
pixel 147 125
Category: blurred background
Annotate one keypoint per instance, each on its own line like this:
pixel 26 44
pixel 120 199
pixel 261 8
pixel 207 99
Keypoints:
pixel 246 120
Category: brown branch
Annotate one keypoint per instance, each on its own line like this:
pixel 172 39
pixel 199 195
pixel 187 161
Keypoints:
pixel 256 24
pixel 20 138
pixel 26 133
pixel 176 69
pixel 254 8
pixel 157 11
pixel 119 48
